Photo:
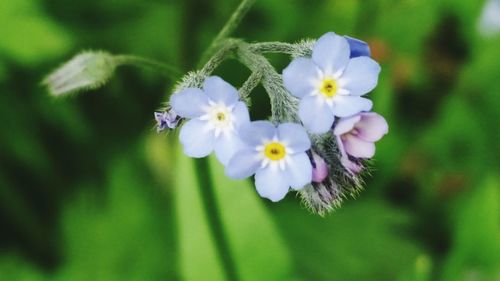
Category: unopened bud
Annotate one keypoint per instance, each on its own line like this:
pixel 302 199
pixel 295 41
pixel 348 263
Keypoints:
pixel 86 71
pixel 166 119
pixel 320 168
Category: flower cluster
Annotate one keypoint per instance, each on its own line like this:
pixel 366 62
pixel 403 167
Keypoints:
pixel 319 152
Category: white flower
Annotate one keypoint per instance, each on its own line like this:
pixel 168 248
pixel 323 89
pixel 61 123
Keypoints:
pixel 216 114
pixel 330 83
pixel 276 155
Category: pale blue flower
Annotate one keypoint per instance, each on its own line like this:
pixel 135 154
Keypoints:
pixel 216 113
pixel 330 83
pixel 276 155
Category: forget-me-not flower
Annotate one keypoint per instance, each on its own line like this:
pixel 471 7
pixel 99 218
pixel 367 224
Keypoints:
pixel 276 155
pixel 356 136
pixel 330 83
pixel 216 113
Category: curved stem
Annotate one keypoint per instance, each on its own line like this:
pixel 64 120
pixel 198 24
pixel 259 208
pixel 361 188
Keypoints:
pixel 229 27
pixel 283 105
pixel 166 69
pixel 273 47
pixel 253 80
pixel 226 49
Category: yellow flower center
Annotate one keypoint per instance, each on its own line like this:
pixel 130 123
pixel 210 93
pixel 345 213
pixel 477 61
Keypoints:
pixel 328 88
pixel 275 151
pixel 220 116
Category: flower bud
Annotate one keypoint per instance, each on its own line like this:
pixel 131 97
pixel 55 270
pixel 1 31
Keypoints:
pixel 166 119
pixel 86 71
pixel 320 169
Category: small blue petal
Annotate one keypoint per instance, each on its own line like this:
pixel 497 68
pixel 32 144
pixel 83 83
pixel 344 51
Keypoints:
pixel 358 48
pixel 331 52
pixel 219 90
pixel 349 105
pixel 240 114
pixel 298 76
pixel 271 183
pixel 294 136
pixel 360 76
pixel 226 146
pixel 299 171
pixel 243 164
pixel 315 114
pixel 197 138
pixel 257 132
pixel 189 102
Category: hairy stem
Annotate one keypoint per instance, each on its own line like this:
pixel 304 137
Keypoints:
pixel 227 47
pixel 246 89
pixel 229 27
pixel 283 105
pixel 167 70
pixel 273 47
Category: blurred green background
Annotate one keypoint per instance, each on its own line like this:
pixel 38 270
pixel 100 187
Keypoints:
pixel 89 191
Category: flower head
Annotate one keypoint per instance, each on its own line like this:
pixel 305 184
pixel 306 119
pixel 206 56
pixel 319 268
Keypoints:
pixel 356 137
pixel 331 83
pixel 215 114
pixel 276 155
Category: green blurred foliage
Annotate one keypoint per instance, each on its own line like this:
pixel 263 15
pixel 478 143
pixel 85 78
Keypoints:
pixel 88 191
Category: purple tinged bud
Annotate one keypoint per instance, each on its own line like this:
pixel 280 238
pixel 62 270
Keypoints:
pixel 320 168
pixel 166 119
pixel 356 137
pixel 358 48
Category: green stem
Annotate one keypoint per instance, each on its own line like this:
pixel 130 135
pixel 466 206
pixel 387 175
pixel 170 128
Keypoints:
pixel 167 70
pixel 229 27
pixel 283 105
pixel 253 80
pixel 227 47
pixel 273 47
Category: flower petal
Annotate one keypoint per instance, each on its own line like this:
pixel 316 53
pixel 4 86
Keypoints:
pixel 197 138
pixel 346 124
pixel 226 145
pixel 243 164
pixel 357 147
pixel 358 48
pixel 331 52
pixel 294 136
pixel 257 132
pixel 360 76
pixel 189 102
pixel 240 114
pixel 350 105
pixel 271 183
pixel 315 114
pixel 372 127
pixel 299 76
pixel 219 90
pixel 299 171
